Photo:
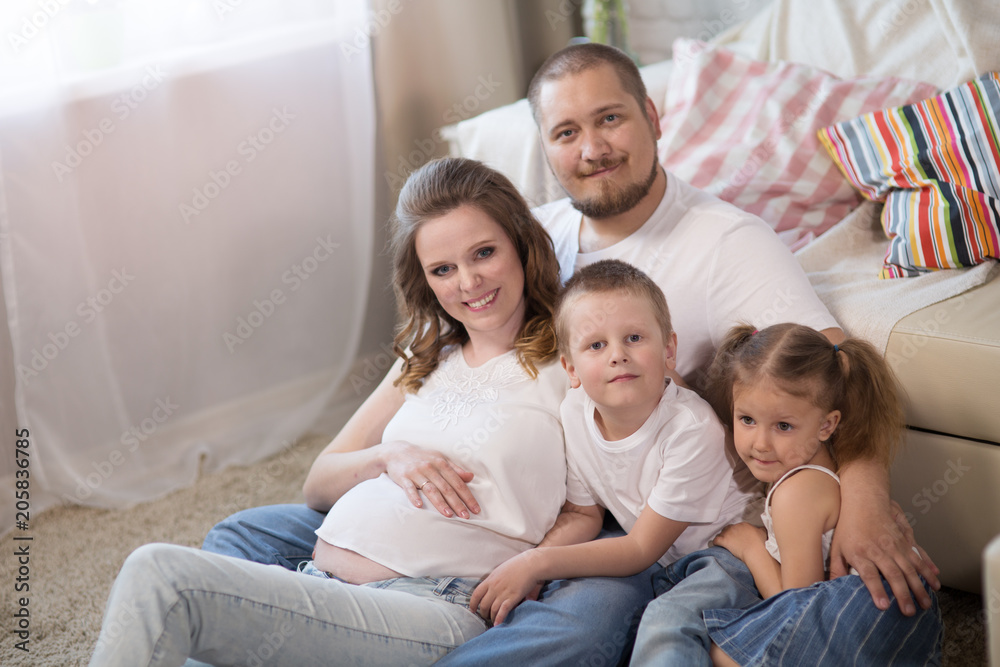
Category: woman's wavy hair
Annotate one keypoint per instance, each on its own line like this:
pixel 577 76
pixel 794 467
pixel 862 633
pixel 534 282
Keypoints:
pixel 851 377
pixel 432 191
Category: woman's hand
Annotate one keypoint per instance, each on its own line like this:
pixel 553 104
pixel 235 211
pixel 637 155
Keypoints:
pixel 739 538
pixel 510 583
pixel 423 471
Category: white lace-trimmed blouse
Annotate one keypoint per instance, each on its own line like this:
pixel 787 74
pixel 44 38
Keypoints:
pixel 494 421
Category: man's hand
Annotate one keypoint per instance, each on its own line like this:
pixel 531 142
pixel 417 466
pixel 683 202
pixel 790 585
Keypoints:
pixel 877 541
pixel 423 471
pixel 505 588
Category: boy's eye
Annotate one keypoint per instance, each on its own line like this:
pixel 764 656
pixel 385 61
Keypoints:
pixel 784 426
pixel 484 253
pixel 634 338
pixel 597 345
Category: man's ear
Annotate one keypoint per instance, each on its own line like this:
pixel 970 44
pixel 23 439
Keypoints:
pixel 829 425
pixel 574 379
pixel 654 117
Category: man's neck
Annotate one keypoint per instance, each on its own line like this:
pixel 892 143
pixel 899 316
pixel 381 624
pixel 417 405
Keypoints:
pixel 598 234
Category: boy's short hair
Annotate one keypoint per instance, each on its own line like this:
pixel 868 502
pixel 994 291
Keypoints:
pixel 610 275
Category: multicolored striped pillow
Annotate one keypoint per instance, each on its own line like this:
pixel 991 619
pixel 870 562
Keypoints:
pixel 745 131
pixel 936 165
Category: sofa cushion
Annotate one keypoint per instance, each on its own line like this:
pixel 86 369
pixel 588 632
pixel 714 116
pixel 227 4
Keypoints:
pixel 936 166
pixel 745 130
pixel 947 357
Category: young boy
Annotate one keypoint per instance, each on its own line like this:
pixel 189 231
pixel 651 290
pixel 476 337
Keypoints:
pixel 651 452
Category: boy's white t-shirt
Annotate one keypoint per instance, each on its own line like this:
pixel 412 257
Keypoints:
pixel 717 265
pixel 676 463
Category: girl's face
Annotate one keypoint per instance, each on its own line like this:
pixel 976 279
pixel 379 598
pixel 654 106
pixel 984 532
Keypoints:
pixel 475 273
pixel 775 431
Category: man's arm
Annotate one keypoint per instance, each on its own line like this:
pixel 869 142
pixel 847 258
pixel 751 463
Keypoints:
pixel 871 537
pixel 874 540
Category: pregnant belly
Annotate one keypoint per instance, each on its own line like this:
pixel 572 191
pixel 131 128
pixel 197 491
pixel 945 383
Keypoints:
pixel 349 566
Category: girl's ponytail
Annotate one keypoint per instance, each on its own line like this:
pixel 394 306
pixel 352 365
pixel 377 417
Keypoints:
pixel 719 388
pixel 872 417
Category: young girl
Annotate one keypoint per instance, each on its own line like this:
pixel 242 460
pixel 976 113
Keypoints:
pixel 799 407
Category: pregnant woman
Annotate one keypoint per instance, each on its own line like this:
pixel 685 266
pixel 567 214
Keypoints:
pixel 474 397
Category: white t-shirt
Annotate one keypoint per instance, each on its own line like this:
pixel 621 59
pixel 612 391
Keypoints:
pixel 717 265
pixel 494 421
pixel 676 463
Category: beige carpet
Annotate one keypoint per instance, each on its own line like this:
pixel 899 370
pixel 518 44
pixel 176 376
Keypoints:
pixel 76 553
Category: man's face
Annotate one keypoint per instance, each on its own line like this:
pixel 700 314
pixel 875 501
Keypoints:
pixel 600 143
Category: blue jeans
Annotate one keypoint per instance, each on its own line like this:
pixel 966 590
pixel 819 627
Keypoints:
pixel 672 630
pixel 587 621
pixel 170 602
pixel 830 623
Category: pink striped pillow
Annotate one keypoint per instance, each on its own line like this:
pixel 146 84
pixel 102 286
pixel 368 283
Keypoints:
pixel 745 131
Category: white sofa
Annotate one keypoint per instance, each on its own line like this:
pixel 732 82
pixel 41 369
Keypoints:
pixel 940 332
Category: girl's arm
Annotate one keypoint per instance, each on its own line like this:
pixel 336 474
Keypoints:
pixel 358 454
pixel 746 542
pixel 805 506
pixel 508 585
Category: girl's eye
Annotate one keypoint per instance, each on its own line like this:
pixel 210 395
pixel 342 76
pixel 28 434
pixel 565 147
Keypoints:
pixel 484 253
pixel 634 338
pixel 747 420
pixel 784 426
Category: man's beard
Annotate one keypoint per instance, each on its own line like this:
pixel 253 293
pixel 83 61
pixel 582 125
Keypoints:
pixel 614 200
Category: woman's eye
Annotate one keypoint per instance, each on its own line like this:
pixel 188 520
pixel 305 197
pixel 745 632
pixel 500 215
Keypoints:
pixel 441 270
pixel 784 426
pixel 484 253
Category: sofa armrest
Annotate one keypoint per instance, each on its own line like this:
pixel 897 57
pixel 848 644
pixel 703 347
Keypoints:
pixel 991 599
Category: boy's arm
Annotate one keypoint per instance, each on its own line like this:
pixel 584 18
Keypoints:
pixel 507 585
pixel 575 524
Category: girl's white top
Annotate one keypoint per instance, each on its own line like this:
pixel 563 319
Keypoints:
pixel 494 421
pixel 772 544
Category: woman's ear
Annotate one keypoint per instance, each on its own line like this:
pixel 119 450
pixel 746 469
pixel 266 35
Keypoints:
pixel 829 425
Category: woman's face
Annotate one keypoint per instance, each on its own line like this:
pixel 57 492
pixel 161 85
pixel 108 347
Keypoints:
pixel 475 273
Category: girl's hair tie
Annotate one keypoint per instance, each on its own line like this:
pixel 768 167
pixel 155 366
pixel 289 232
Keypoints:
pixel 754 333
pixel 836 348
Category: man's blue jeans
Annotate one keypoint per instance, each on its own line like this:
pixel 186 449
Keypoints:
pixel 575 622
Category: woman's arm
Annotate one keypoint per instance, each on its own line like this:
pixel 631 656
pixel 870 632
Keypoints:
pixel 358 453
pixel 507 585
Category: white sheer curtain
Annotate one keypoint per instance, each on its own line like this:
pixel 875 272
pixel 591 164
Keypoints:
pixel 186 218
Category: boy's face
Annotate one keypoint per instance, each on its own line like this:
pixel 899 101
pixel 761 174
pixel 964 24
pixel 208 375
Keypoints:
pixel 617 352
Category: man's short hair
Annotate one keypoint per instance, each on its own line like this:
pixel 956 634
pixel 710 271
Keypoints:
pixel 580 58
pixel 610 275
